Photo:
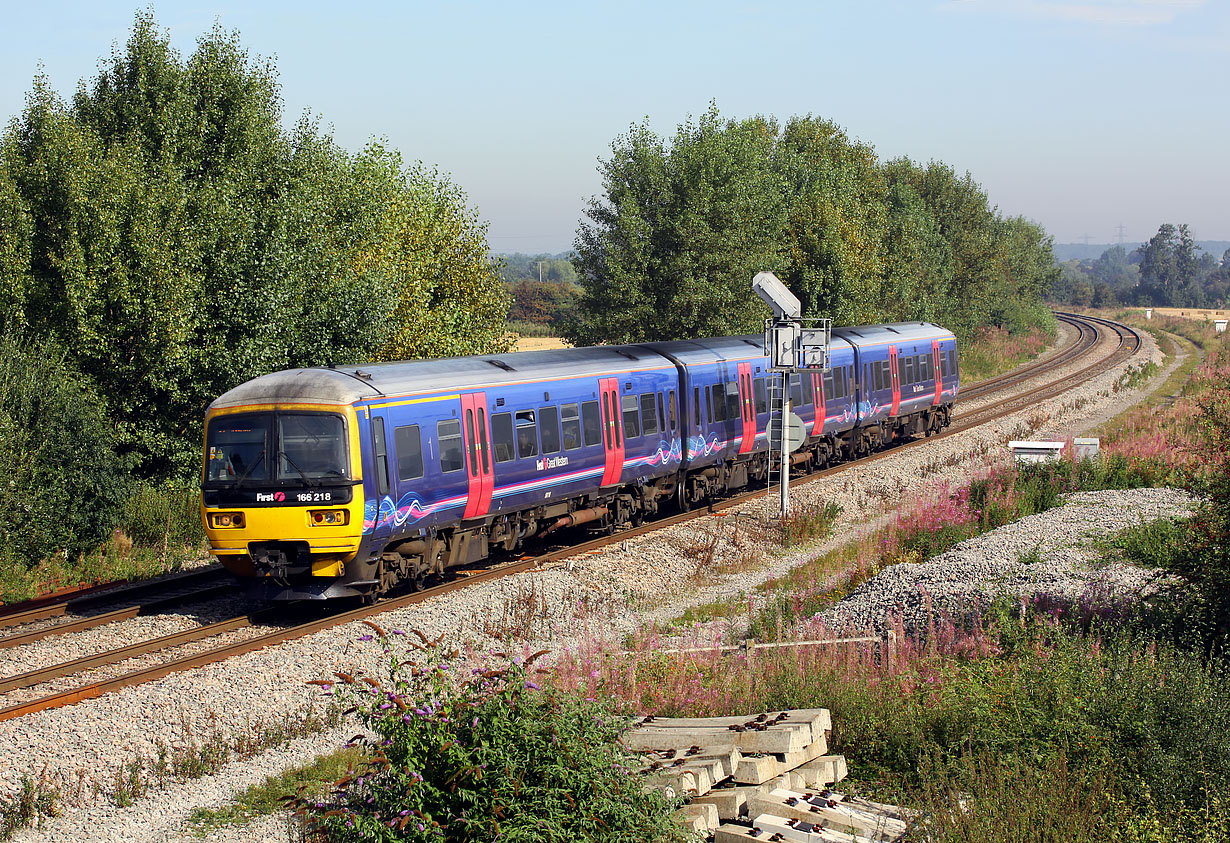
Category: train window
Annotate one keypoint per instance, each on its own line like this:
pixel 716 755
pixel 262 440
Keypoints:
pixel 839 383
pixel 632 424
pixel 717 397
pixel 548 425
pixel 649 414
pixel 570 420
pixel 670 403
pixel 380 452
pixel 409 444
pixel 796 391
pixel 828 385
pixel 470 443
pixel 696 405
pixel 749 411
pixel 944 365
pixel 661 413
pixel 483 447
pixel 527 434
pixel 448 434
pixel 237 447
pixel 953 364
pixel 732 401
pixel 607 433
pixel 809 392
pixel 591 423
pixel 762 396
pixel 708 405
pixel 502 436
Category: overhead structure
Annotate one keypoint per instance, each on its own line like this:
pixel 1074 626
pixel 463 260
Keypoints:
pixel 792 344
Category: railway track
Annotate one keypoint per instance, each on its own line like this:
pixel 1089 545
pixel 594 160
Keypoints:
pixel 1089 329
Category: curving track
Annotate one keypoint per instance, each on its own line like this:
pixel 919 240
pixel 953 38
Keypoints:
pixel 1090 331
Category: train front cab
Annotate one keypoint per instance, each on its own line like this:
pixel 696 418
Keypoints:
pixel 282 499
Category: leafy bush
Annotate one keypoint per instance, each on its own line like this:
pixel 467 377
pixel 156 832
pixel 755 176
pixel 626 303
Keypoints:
pixel 64 484
pixel 163 515
pixel 488 756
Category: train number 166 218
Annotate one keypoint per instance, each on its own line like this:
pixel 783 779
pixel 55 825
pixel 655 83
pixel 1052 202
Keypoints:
pixel 314 497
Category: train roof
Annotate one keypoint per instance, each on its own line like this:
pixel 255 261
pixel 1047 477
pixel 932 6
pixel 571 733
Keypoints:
pixel 348 384
pixel 861 335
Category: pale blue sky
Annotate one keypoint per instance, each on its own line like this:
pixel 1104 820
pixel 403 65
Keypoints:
pixel 1080 115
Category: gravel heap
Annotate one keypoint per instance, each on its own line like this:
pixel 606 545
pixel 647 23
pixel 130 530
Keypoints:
pixel 605 594
pixel 1052 554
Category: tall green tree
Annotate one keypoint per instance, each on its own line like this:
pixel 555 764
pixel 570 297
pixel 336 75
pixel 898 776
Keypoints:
pixel 167 232
pixel 671 248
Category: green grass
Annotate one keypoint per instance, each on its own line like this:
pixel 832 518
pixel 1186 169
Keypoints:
pixel 267 798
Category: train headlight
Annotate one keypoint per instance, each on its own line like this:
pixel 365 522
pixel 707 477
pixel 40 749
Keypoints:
pixel 329 517
pixel 223 520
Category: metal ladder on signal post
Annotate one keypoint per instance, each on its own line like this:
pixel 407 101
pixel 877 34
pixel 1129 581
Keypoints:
pixel 777 390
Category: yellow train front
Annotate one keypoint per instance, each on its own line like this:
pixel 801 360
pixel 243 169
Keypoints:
pixel 281 490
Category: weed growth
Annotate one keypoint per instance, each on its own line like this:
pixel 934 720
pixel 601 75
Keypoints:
pixel 486 756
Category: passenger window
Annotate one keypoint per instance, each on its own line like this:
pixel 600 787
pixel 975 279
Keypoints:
pixel 796 391
pixel 661 413
pixel 762 397
pixel 632 426
pixel 670 401
pixel 527 434
pixel 809 393
pixel 570 421
pixel 548 423
pixel 828 386
pixel 606 421
pixel 502 436
pixel 409 444
pixel 448 434
pixel 717 395
pixel 380 452
pixel 482 439
pixel 471 444
pixel 732 401
pixel 591 421
pixel 709 405
pixel 696 405
pixel 649 414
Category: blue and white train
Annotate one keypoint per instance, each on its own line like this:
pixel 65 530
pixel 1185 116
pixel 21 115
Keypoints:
pixel 341 482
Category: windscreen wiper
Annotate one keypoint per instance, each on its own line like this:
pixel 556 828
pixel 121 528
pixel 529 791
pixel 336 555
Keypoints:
pixel 295 466
pixel 260 458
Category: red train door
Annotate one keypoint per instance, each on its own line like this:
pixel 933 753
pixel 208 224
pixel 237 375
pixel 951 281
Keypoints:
pixel 895 378
pixel 747 408
pixel 939 376
pixel 612 431
pixel 817 380
pixel 477 433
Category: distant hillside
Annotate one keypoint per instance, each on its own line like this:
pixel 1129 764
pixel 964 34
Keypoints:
pixel 1093 251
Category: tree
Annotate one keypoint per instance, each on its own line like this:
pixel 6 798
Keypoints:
pixel 64 483
pixel 1169 268
pixel 670 251
pixel 167 232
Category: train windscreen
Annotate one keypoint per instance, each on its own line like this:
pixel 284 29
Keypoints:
pixel 276 446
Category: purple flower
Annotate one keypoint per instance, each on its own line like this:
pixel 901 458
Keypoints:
pixel 532 685
pixel 365 637
pixel 399 632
